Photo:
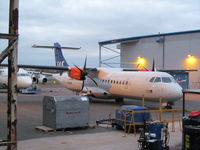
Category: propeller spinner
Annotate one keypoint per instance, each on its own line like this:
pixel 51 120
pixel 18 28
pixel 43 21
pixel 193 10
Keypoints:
pixel 85 72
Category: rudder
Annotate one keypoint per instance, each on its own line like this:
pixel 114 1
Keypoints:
pixel 59 58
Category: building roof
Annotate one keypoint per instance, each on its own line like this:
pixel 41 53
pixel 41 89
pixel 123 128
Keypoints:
pixel 129 39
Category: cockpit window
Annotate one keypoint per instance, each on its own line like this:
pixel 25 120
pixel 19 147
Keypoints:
pixel 172 79
pixel 152 79
pixel 158 79
pixel 166 80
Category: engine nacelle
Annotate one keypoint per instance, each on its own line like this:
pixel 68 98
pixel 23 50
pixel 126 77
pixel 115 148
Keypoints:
pixel 42 80
pixel 68 82
pixel 39 78
pixel 34 79
pixel 75 73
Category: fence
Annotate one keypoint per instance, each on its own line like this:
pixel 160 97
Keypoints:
pixel 161 115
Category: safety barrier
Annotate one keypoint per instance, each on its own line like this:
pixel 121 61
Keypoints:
pixel 161 115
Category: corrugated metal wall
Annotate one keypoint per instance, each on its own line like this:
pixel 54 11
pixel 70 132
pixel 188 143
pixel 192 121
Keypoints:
pixel 175 47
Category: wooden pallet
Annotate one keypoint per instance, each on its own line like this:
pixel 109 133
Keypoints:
pixel 48 129
pixel 45 129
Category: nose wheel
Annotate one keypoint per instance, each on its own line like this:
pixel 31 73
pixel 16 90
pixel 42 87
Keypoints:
pixel 169 105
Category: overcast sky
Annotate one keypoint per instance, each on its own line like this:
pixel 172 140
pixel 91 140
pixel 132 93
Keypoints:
pixel 83 23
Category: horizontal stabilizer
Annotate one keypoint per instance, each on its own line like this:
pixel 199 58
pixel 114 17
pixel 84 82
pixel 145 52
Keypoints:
pixel 72 48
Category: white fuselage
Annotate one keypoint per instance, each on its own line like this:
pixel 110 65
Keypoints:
pixel 24 80
pixel 115 83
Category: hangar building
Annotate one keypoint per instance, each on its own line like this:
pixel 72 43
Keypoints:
pixel 177 53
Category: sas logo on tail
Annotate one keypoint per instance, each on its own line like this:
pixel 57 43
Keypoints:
pixel 60 63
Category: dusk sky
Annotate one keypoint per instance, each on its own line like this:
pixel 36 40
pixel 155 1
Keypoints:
pixel 83 23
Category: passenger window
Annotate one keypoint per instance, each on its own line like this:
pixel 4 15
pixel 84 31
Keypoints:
pixel 151 80
pixel 158 79
pixel 166 80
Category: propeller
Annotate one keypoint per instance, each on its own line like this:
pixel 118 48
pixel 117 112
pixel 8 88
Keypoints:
pixel 84 73
pixel 143 67
pixel 153 66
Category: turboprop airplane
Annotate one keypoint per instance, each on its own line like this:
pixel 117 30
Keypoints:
pixel 117 82
pixel 114 83
pixel 24 80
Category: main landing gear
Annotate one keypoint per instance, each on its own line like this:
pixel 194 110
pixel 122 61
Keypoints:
pixel 119 100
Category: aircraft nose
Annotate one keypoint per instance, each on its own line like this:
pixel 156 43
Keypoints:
pixel 176 92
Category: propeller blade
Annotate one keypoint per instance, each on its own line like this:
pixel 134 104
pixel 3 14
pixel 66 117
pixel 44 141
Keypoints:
pixel 83 84
pixel 83 73
pixel 153 66
pixel 93 80
pixel 85 63
pixel 78 68
pixel 146 68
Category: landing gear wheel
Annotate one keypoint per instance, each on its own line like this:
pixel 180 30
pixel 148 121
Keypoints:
pixel 119 100
pixel 91 99
pixel 169 106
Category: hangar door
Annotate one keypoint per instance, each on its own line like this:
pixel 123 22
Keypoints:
pixel 182 78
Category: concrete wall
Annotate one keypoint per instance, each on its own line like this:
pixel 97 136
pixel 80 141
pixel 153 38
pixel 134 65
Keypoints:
pixel 176 49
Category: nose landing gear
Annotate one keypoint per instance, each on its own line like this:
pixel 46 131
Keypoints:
pixel 169 105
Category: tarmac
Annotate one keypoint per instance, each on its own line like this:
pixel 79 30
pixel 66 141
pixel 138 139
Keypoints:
pixel 112 139
pixel 106 138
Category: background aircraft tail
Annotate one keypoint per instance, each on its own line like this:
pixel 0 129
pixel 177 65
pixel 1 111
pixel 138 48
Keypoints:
pixel 60 60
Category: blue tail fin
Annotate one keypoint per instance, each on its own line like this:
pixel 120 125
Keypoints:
pixel 60 60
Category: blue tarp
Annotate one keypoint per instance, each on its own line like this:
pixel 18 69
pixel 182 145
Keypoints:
pixel 127 110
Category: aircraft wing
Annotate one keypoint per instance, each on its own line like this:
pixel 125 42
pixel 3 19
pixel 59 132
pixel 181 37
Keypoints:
pixel 50 69
pixel 162 70
pixel 133 69
pixel 40 67
pixel 47 67
pixel 176 70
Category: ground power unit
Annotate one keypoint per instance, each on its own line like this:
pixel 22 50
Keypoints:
pixel 68 111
